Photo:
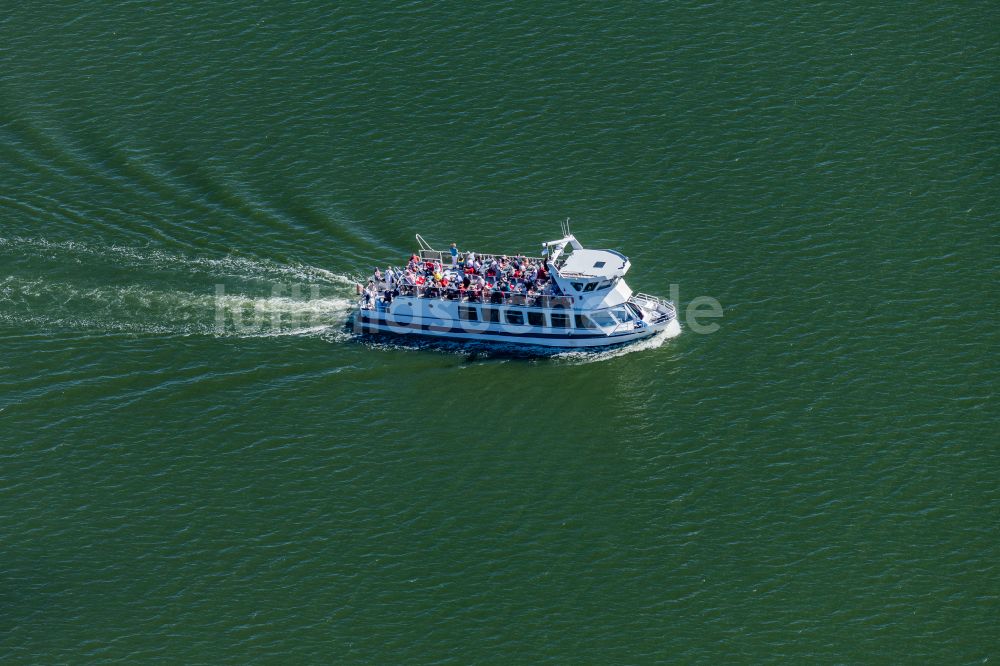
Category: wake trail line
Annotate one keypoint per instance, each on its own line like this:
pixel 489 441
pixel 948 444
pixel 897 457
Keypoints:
pixel 74 285
pixel 159 260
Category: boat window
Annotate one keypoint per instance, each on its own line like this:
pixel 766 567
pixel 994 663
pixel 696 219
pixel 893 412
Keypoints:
pixel 635 310
pixel 590 286
pixel 491 314
pixel 603 284
pixel 577 285
pixel 621 313
pixel 603 319
pixel 560 320
pixel 467 313
pixel 515 317
pixel 598 264
pixel 583 321
pixel 536 318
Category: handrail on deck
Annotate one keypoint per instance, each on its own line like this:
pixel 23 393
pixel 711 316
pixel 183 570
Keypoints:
pixel 424 245
pixel 487 296
pixel 639 296
pixel 445 257
pixel 663 308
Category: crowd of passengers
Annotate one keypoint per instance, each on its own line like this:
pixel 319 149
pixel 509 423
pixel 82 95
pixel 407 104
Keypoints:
pixel 488 280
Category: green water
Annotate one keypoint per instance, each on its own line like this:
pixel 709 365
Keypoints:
pixel 190 479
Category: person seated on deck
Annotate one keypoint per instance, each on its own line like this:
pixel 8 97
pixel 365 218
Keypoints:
pixel 496 296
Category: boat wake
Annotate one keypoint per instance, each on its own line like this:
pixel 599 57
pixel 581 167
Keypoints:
pixel 70 285
pixel 124 256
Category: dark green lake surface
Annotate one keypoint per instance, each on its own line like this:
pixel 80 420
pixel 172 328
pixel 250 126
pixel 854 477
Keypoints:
pixel 193 479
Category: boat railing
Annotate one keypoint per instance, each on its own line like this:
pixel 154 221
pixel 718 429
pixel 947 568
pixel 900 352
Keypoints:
pixel 445 257
pixel 662 309
pixel 482 297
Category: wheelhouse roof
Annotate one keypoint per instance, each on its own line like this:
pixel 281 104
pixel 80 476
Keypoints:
pixel 595 263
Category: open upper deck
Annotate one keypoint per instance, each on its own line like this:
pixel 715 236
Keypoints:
pixel 569 257
pixel 592 279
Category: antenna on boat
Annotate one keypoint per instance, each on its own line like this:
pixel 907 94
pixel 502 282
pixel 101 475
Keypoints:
pixel 565 228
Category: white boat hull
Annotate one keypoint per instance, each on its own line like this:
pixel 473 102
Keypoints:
pixel 381 322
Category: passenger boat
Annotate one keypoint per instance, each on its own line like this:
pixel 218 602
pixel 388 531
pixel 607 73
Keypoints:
pixel 570 297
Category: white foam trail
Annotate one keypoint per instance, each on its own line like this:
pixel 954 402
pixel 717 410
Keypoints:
pixel 138 309
pixel 319 299
pixel 229 266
